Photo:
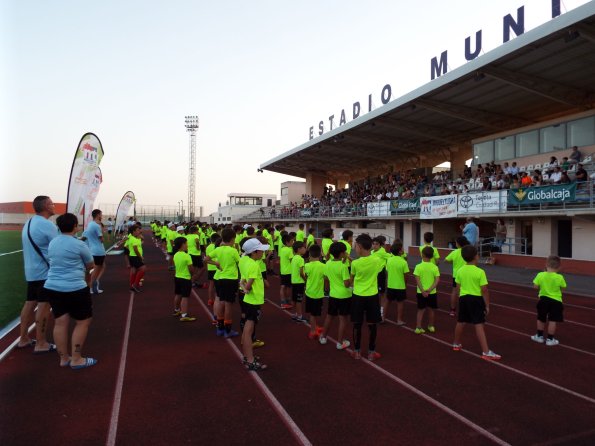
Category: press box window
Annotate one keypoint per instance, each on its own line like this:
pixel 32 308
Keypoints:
pixel 581 132
pixel 527 143
pixel 483 152
pixel 553 138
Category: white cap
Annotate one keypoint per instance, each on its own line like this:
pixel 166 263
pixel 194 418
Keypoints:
pixel 252 245
pixel 246 226
pixel 180 228
pixel 171 225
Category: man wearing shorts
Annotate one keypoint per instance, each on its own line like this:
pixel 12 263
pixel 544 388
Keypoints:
pixel 37 234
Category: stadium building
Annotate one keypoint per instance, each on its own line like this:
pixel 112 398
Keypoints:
pixel 510 111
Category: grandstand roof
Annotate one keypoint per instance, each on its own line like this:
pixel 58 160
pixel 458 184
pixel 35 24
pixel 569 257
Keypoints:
pixel 542 74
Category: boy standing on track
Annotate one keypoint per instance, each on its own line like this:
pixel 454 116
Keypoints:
pixel 285 256
pixel 212 269
pixel 226 259
pixel 195 253
pixel 337 273
pixel 457 261
pixel 310 240
pixel 549 308
pixel 379 251
pixel 474 301
pixel 252 285
pixel 137 266
pixel 182 280
pixel 298 282
pixel 94 236
pixel 364 277
pixel 300 235
pixel 427 277
pixel 314 271
pixel 327 241
pixel 428 239
pixel 396 268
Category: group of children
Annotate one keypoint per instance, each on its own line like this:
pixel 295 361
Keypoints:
pixel 358 290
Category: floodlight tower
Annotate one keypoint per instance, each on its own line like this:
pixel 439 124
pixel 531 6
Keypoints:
pixel 192 128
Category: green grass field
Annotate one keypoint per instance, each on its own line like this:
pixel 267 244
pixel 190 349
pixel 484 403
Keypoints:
pixel 12 277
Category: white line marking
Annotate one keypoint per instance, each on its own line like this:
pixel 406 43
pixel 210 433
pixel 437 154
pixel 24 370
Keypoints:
pixel 534 299
pixel 293 427
pixel 9 327
pixel 113 427
pixel 8 349
pixel 500 364
pixel 517 309
pixel 8 253
pixel 423 395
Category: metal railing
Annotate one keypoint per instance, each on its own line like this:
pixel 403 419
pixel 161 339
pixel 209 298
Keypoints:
pixel 575 196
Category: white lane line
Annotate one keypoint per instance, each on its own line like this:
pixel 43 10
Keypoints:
pixel 534 299
pixel 8 349
pixel 509 368
pixel 8 253
pixel 113 427
pixel 291 425
pixel 566 321
pixel 423 395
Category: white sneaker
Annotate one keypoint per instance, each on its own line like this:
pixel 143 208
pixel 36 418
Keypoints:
pixel 537 338
pixel 343 345
pixel 491 356
pixel 551 342
pixel 322 340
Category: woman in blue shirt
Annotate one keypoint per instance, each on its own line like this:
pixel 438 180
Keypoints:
pixel 68 292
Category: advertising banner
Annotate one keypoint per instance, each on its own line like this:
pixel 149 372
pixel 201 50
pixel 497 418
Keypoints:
pixel 442 206
pixel 404 206
pixel 378 209
pixel 124 207
pixel 87 157
pixel 558 193
pixel 91 196
pixel 481 202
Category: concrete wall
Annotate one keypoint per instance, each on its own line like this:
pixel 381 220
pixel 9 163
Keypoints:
pixel 315 184
pixel 295 190
pixel 583 238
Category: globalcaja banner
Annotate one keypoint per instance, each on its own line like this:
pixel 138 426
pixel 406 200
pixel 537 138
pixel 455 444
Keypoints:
pixel 92 195
pixel 378 209
pixel 124 207
pixel 404 206
pixel 442 206
pixel 87 157
pixel 558 193
pixel 482 202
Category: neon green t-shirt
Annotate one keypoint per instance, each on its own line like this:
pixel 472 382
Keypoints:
pixel 456 259
pixel 427 273
pixel 396 268
pixel 238 239
pixel 209 252
pixel 436 255
pixel 193 241
pixel 252 271
pixel 326 244
pixel 181 261
pixel 132 242
pixel 337 273
pixel 382 255
pixel 315 279
pixel 297 263
pixel 348 246
pixel 171 236
pixel 310 240
pixel 365 275
pixel 228 259
pixel 471 278
pixel 285 256
pixel 164 232
pixel 550 284
pixel 300 236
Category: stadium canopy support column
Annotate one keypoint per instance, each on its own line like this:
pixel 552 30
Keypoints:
pixel 315 184
pixel 458 156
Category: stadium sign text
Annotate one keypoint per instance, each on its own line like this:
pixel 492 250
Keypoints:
pixel 440 67
pixel 545 194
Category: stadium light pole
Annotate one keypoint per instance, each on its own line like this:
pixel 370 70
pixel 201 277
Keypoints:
pixel 182 210
pixel 192 128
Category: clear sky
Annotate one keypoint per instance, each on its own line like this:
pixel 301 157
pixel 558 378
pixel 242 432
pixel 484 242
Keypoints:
pixel 258 74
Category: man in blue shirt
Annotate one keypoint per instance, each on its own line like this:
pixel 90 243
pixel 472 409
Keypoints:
pixel 471 232
pixel 94 236
pixel 36 236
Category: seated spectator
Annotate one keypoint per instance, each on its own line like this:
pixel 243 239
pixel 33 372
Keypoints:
pixel 581 174
pixel 575 156
pixel 513 170
pixel 526 179
pixel 553 164
pixel 556 176
pixel 537 179
pixel 565 179
pixel 565 164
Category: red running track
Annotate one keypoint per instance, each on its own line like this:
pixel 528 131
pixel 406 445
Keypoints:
pixel 160 381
